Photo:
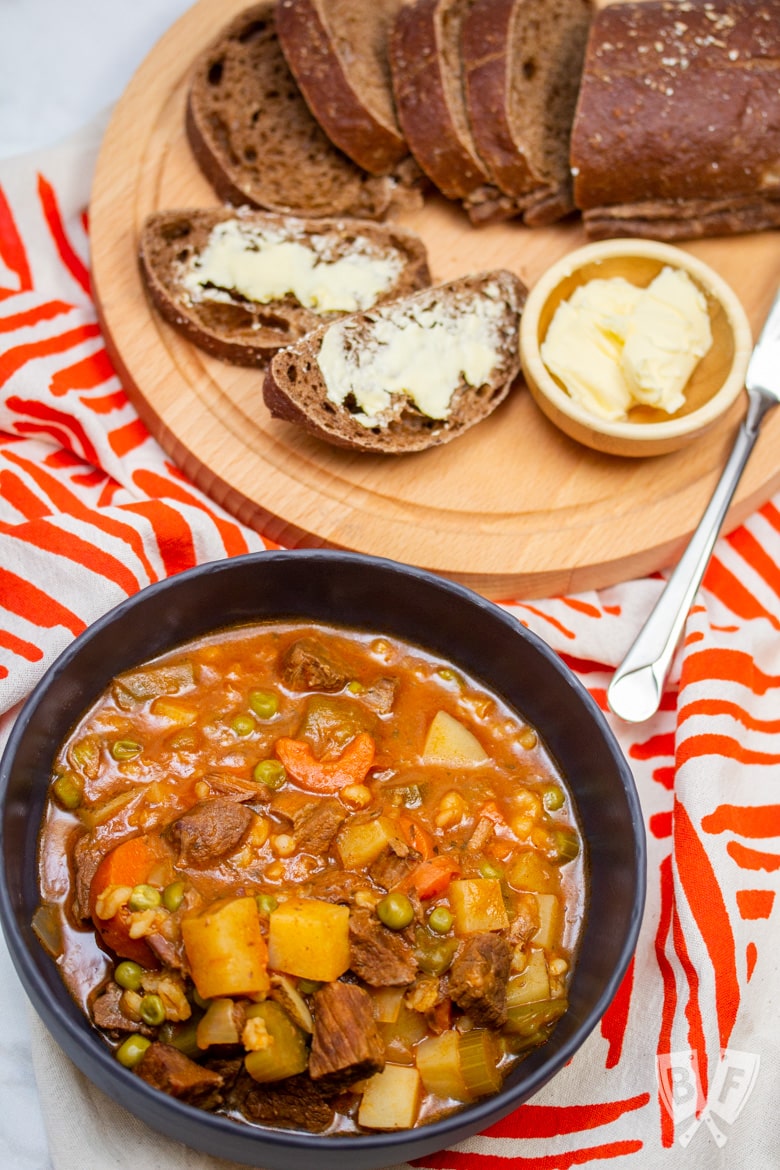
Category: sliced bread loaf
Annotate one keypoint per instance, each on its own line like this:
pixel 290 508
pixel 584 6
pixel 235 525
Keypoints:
pixel 427 74
pixel 677 130
pixel 522 62
pixel 412 374
pixel 255 139
pixel 337 51
pixel 242 284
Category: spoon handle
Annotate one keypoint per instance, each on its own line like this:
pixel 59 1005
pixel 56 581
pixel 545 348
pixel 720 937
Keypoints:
pixel 634 694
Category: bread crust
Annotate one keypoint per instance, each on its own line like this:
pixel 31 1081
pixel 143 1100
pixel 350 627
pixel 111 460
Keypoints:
pixel 294 388
pixel 332 91
pixel 504 41
pixel 247 333
pixel 255 139
pixel 422 87
pixel 677 128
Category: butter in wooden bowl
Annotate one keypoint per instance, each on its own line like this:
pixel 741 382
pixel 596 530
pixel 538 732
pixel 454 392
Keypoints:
pixel 634 347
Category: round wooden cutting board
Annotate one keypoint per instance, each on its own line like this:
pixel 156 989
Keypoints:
pixel 513 508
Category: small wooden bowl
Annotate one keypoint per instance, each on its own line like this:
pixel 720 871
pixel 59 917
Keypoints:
pixel 712 388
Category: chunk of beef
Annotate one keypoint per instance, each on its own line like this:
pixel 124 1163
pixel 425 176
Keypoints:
pixel 163 1067
pixel 209 831
pixel 379 956
pixel 170 952
pixel 346 1045
pixel 393 865
pixel 295 1103
pixel 478 978
pixel 525 923
pixel 316 824
pixel 380 695
pixel 334 885
pixel 87 856
pixel 107 1013
pixel 307 666
pixel 483 831
pixel 230 786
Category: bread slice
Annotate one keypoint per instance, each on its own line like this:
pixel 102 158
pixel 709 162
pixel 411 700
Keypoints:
pixel 412 374
pixel 337 51
pixel 522 61
pixel 254 138
pixel 427 74
pixel 243 313
pixel 677 129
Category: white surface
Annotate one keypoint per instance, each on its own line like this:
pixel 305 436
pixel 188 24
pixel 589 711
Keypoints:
pixel 61 63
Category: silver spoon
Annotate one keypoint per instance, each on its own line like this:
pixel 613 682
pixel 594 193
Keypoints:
pixel 634 694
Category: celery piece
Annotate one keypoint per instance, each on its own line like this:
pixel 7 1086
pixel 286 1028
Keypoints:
pixel 525 1019
pixel 479 1057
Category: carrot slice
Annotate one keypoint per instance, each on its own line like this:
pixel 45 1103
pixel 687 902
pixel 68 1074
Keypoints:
pixel 327 776
pixel 416 837
pixel 432 877
pixel 127 864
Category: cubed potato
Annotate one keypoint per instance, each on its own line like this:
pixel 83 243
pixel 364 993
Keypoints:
pixel 550 922
pixel 310 939
pixel 531 984
pixel 359 844
pixel 450 742
pixel 438 1060
pixel 226 950
pixel 477 904
pixel 531 871
pixel 391 1099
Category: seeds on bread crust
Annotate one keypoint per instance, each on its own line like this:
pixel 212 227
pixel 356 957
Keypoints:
pixel 242 284
pixel 461 340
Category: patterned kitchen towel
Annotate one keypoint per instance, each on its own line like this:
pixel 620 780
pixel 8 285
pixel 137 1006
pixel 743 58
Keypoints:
pixel 684 1069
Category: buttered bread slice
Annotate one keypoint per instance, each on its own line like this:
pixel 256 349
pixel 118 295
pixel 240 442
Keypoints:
pixel 409 375
pixel 241 283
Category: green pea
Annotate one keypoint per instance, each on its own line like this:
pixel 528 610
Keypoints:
pixel 447 674
pixel 152 1010
pixel 355 687
pixel 308 986
pixel 198 1000
pixel 270 772
pixel 68 790
pixel 128 975
pixel 131 1050
pixel 266 903
pixel 489 870
pixel 243 724
pixel 440 919
pixel 553 798
pixel 265 704
pixel 395 911
pixel 172 896
pixel 566 845
pixel 144 897
pixel 435 957
pixel 125 749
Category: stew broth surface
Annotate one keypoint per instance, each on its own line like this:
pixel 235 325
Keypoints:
pixel 312 877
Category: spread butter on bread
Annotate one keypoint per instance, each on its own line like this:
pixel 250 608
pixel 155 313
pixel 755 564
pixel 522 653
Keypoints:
pixel 255 139
pixel 242 283
pixel 522 62
pixel 677 129
pixel 411 374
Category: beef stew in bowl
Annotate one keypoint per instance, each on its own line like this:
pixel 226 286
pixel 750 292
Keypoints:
pixel 316 879
pixel 367 597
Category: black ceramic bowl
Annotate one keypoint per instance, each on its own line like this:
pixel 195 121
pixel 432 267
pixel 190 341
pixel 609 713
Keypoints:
pixel 366 593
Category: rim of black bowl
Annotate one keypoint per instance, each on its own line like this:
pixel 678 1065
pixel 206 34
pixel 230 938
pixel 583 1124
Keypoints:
pixel 218 1134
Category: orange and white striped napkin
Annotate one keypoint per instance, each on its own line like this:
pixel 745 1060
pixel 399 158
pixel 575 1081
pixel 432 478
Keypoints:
pixel 684 1069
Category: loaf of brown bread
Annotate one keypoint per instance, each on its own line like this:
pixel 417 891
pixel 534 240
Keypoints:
pixel 427 75
pixel 411 374
pixel 677 129
pixel 522 61
pixel 337 51
pixel 255 139
pixel 242 284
